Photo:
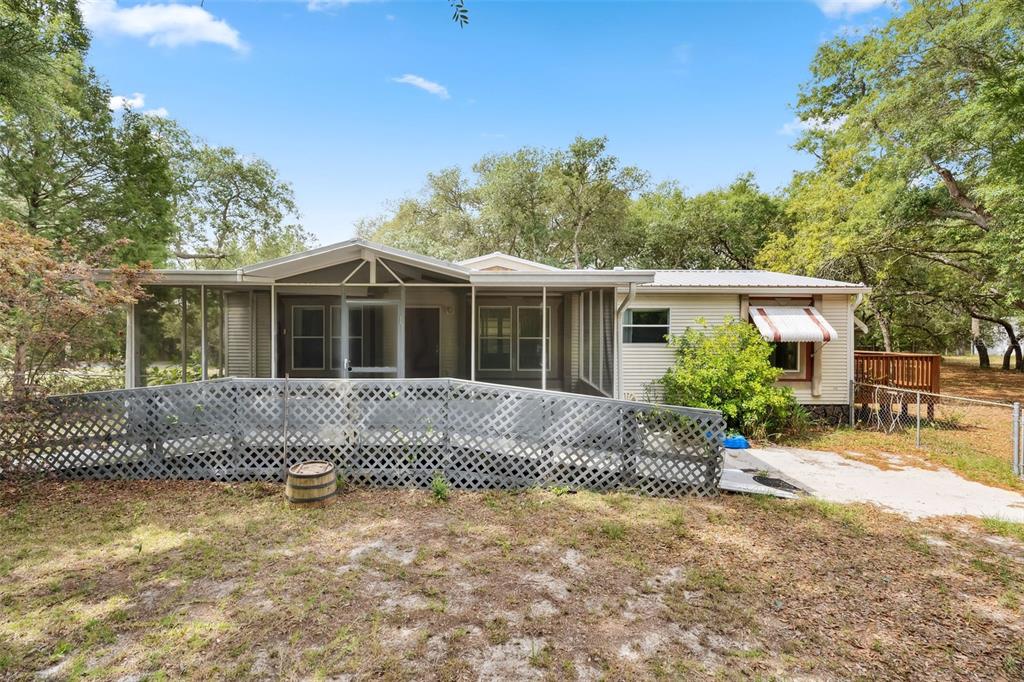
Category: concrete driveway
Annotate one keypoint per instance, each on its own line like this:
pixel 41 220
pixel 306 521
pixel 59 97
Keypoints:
pixel 913 492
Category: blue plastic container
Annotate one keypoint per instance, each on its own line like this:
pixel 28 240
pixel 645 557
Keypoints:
pixel 737 442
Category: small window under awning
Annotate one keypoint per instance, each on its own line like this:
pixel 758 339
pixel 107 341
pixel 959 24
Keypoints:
pixel 792 323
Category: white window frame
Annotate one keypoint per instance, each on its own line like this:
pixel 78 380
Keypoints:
pixel 800 350
pixel 520 337
pixel 668 325
pixel 481 338
pixel 322 337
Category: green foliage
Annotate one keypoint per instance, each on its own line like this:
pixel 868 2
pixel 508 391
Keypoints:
pixel 722 228
pixel 919 186
pixel 728 368
pixel 568 207
pixel 230 210
pixel 439 488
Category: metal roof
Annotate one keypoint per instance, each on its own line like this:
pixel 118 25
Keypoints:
pixel 745 280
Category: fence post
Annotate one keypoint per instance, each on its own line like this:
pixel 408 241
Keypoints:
pixel 284 429
pixel 1017 464
pixel 918 419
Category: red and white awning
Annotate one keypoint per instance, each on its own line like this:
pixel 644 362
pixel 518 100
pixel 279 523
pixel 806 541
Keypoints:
pixel 792 323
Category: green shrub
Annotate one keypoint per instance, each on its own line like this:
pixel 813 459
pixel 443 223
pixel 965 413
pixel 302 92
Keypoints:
pixel 729 368
pixel 439 488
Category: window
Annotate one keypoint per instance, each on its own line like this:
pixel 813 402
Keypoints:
pixel 308 337
pixel 786 356
pixel 645 326
pixel 530 337
pixel 355 337
pixel 495 337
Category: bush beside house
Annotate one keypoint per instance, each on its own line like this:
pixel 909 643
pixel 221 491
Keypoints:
pixel 728 368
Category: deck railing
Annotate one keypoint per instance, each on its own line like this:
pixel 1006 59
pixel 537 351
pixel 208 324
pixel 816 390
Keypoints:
pixel 911 371
pixel 392 432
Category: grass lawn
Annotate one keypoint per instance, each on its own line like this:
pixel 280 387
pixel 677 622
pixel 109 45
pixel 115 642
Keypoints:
pixel 208 581
pixel 975 442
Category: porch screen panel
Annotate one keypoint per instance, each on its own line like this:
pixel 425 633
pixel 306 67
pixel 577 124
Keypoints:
pixel 372 338
pixel 158 330
pixel 215 333
pixel 495 334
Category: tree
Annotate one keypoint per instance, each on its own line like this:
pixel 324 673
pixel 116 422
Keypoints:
pixel 920 177
pixel 228 210
pixel 48 302
pixel 723 228
pixel 591 198
pixel 567 208
pixel 69 171
pixel 41 46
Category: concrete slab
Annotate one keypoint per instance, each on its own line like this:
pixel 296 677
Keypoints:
pixel 915 493
pixel 739 481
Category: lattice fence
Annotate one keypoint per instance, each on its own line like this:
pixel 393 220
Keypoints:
pixel 385 432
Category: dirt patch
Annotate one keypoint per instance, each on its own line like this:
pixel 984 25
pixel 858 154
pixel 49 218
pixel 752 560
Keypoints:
pixel 495 586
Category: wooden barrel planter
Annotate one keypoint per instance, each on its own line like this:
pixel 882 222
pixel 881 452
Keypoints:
pixel 312 483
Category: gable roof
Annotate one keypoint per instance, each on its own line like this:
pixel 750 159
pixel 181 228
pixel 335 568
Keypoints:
pixel 497 260
pixel 351 249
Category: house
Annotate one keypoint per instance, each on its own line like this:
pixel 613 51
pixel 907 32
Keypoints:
pixel 359 309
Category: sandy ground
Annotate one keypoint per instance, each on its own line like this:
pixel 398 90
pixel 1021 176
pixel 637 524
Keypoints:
pixel 197 581
pixel 914 492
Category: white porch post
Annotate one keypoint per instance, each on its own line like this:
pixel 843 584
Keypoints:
pixel 543 338
pixel 472 333
pixel 401 333
pixel 204 373
pixel 130 358
pixel 273 331
pixel 600 340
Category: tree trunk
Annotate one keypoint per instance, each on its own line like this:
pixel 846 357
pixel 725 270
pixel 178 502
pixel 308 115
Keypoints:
pixel 19 371
pixel 883 326
pixel 979 344
pixel 1014 348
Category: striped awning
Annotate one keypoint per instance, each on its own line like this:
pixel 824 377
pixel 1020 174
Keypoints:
pixel 792 323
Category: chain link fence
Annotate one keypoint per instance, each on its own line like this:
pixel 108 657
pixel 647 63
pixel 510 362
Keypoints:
pixel 987 432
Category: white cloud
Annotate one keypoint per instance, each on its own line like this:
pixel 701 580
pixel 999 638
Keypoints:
pixel 135 101
pixel 169 24
pixel 325 5
pixel 118 102
pixel 797 126
pixel 846 8
pixel 423 84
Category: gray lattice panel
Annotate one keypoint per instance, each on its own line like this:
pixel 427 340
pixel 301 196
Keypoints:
pixel 377 431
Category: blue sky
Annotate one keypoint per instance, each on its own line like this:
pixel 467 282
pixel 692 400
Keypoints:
pixel 354 102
